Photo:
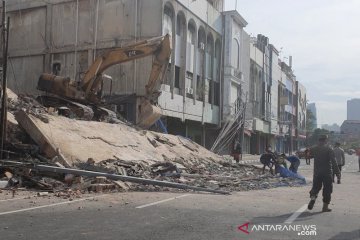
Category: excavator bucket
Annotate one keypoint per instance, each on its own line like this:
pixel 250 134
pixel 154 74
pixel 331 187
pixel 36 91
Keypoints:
pixel 148 114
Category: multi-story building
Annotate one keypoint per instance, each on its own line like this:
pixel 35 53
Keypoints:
pixel 260 92
pixel 214 64
pixel 312 108
pixel 236 72
pixel 351 128
pixel 287 108
pixel 353 109
pixel 300 129
pixel 67 35
pixel 191 94
pixel 275 78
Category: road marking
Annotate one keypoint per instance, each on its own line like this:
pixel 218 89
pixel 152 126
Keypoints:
pixel 165 200
pixel 49 205
pixel 12 199
pixel 296 214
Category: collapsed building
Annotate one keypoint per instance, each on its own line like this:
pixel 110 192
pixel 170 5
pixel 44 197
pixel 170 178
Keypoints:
pixel 49 151
pixel 79 46
pixel 64 38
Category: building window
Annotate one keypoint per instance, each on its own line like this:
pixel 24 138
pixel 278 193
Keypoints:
pixel 167 22
pixel 168 25
pixel 211 90
pixel 235 54
pixel 177 77
pixel 209 57
pixel 199 89
pixel 56 68
pixel 217 93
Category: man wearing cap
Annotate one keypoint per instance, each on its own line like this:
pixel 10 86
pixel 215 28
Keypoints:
pixel 340 159
pixel 324 166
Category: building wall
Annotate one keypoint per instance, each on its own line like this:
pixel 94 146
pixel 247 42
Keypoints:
pixel 288 99
pixel 236 72
pixel 301 108
pixel 351 128
pixel 192 86
pixel 353 109
pixel 312 108
pixel 275 76
pixel 300 114
pixel 200 9
pixel 72 33
pixel 236 63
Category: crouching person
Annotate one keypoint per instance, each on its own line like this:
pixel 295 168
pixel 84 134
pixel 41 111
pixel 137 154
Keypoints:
pixel 294 162
pixel 268 159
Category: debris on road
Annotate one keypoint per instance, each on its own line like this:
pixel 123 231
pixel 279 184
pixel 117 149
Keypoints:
pixel 69 157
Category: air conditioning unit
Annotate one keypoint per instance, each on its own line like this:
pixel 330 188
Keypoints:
pixel 189 90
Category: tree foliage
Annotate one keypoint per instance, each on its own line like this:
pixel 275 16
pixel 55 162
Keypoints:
pixel 314 137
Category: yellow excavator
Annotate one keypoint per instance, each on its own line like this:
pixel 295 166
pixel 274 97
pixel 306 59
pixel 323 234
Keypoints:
pixel 89 89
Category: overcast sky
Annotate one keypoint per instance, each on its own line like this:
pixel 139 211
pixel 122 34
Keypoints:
pixel 323 36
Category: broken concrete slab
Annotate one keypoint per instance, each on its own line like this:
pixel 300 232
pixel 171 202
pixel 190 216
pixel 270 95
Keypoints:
pixel 81 140
pixel 29 123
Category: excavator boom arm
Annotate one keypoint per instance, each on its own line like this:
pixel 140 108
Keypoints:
pixel 88 89
pixel 158 47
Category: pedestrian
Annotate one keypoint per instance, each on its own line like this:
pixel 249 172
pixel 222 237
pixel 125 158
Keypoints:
pixel 281 160
pixel 324 166
pixel 294 162
pixel 237 152
pixel 268 159
pixel 358 154
pixel 340 159
pixel 307 156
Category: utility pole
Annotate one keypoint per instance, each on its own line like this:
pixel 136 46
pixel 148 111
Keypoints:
pixel 243 125
pixel 5 41
pixel 291 137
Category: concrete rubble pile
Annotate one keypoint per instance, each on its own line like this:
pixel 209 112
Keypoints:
pixel 39 139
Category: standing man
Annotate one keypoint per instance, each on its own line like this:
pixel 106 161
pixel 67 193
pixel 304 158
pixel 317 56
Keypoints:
pixel 340 159
pixel 237 152
pixel 324 166
pixel 307 156
pixel 358 153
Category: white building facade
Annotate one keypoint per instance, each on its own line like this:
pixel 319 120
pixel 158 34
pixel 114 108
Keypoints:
pixel 236 72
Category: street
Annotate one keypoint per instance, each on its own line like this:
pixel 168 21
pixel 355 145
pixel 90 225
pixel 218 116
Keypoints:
pixel 187 215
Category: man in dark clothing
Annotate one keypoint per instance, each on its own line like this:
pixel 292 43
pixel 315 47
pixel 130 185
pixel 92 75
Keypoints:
pixel 340 159
pixel 324 166
pixel 358 154
pixel 237 152
pixel 307 156
pixel 268 159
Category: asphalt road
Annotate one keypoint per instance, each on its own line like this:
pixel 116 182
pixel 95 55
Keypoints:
pixel 188 215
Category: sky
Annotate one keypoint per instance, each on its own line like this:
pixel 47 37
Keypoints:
pixel 322 36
